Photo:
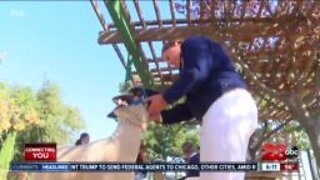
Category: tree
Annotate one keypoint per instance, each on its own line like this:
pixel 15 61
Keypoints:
pixel 17 111
pixel 28 117
pixel 164 141
pixel 58 122
pixel 273 131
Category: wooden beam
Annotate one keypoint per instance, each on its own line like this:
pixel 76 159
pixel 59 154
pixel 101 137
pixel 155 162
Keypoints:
pixel 139 12
pixel 94 4
pixel 172 12
pixel 157 11
pixel 241 33
pixel 189 12
pixel 169 22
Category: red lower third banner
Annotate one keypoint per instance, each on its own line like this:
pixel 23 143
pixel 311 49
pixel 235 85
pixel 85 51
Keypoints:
pixel 40 152
pixel 292 166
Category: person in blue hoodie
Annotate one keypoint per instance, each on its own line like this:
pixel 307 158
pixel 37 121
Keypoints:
pixel 216 95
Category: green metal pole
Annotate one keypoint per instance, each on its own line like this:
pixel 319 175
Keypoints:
pixel 121 21
pixel 128 68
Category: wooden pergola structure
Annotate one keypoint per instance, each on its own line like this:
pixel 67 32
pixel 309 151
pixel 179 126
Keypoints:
pixel 275 44
pixel 277 47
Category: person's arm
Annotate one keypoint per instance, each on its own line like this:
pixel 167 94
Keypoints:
pixel 177 114
pixel 197 66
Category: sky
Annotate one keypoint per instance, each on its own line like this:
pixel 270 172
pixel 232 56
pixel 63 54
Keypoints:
pixel 57 41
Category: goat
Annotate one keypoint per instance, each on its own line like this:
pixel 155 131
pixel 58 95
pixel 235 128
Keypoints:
pixel 122 146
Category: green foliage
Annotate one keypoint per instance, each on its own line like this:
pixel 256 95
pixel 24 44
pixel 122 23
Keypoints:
pixel 17 109
pixel 297 135
pixel 166 140
pixel 58 122
pixel 6 154
pixel 291 134
pixel 36 117
pixel 58 119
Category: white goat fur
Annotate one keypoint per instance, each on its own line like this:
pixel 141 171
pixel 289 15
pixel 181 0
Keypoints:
pixel 122 146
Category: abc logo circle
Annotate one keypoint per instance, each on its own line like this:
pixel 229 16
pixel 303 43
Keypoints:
pixel 292 153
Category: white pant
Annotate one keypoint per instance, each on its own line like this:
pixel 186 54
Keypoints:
pixel 226 130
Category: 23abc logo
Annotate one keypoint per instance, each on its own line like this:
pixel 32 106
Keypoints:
pixel 279 152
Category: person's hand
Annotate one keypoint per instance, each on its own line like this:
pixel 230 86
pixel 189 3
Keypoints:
pixel 156 104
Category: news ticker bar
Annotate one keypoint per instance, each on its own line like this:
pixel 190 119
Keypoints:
pixel 113 167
